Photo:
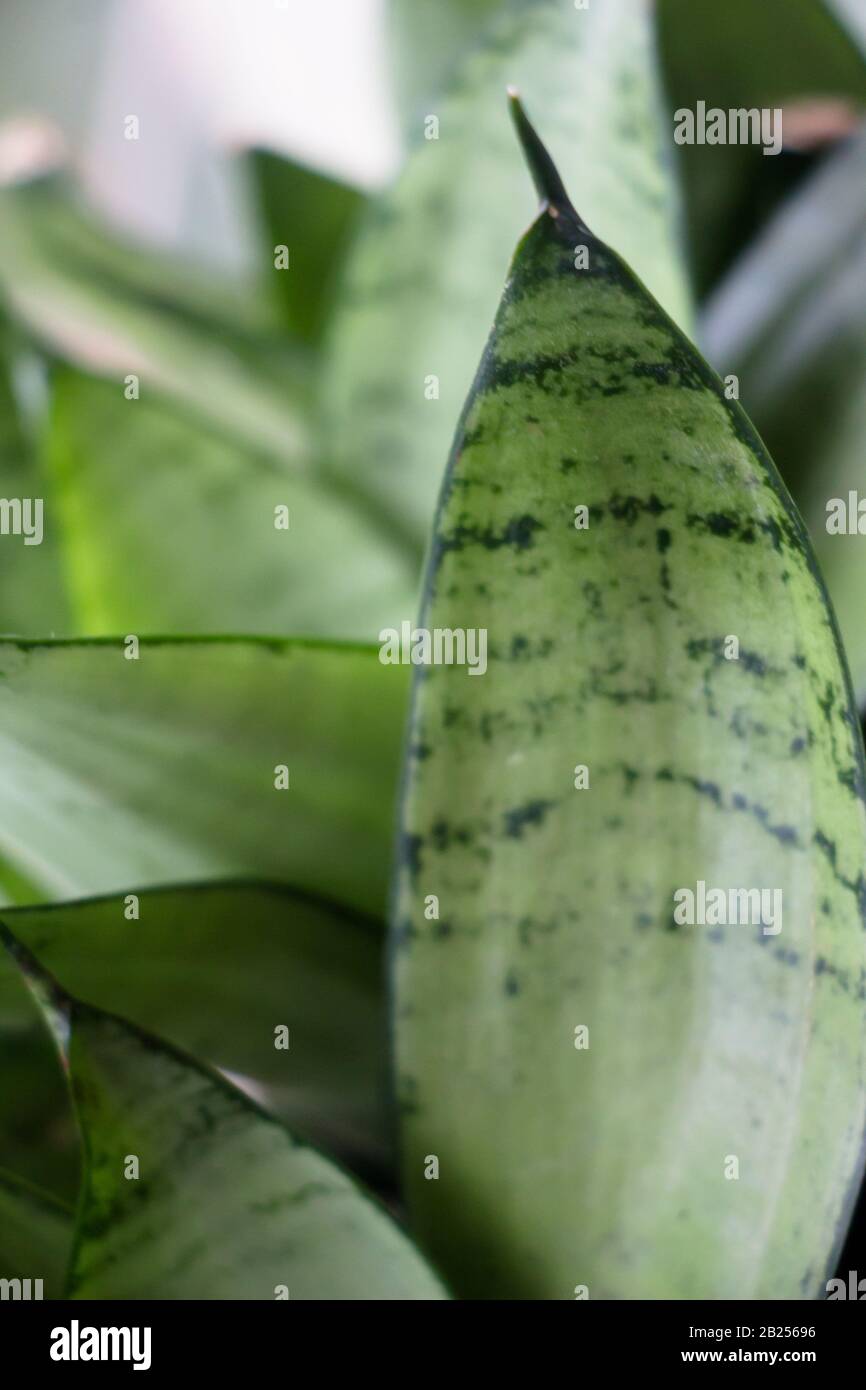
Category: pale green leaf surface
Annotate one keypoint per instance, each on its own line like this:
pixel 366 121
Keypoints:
pixel 169 526
pixel 426 44
pixel 120 774
pixel 605 1165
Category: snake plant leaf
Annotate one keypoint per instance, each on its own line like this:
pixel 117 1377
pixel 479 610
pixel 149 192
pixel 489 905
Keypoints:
pixel 32 597
pixel 35 1235
pixel 121 774
pixel 423 282
pixel 313 216
pixel 731 57
pixel 792 327
pixel 191 1191
pixel 214 969
pixel 182 529
pixel 619 1101
pixel 244 383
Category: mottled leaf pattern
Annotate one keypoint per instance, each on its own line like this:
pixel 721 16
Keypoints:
pixel 605 1166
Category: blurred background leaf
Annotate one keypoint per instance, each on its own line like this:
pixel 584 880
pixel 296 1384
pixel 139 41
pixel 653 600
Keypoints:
pixel 427 43
pixel 33 599
pixel 213 969
pixel 118 775
pixel 35 1234
pixel 225 1203
pixel 790 321
pixel 801 55
pixel 151 490
pixel 425 278
pixel 98 314
pixel 314 216
pixel 168 525
pixel 38 1136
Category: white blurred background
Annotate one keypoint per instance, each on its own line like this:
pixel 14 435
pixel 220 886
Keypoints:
pixel 304 77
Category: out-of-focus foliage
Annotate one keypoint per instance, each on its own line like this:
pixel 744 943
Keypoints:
pixel 211 1164
pixel 427 44
pixel 169 524
pixel 790 321
pixel 33 597
pixel 247 954
pixel 118 775
pixel 35 1233
pixel 314 217
pixel 776 53
pixel 423 285
pixel 109 309
pixel 333 388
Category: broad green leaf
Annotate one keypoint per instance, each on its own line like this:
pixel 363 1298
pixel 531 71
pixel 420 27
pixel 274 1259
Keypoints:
pixel 121 774
pixel 665 709
pixel 313 216
pixel 746 55
pixel 423 284
pixel 35 1235
pixel 170 525
pixel 223 1202
pixel 85 313
pixel 32 598
pixel 215 969
pixel 788 321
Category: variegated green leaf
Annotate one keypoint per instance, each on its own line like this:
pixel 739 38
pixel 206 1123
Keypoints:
pixel 622 1101
pixel 190 1191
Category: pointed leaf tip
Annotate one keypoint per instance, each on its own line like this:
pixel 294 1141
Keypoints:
pixel 545 175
